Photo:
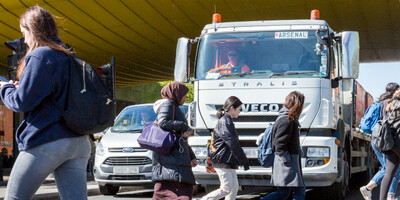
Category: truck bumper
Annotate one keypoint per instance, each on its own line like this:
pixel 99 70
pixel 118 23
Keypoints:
pixel 263 178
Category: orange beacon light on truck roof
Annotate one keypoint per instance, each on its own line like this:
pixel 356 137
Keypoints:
pixel 315 14
pixel 216 18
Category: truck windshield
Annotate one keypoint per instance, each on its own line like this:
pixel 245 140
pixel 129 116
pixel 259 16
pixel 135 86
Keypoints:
pixel 262 55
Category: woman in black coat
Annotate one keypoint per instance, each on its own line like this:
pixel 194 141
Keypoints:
pixel 172 173
pixel 228 153
pixel 286 171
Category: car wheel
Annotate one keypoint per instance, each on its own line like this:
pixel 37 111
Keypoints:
pixel 108 189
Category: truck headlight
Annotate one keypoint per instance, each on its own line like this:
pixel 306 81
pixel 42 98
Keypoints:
pixel 318 152
pixel 100 149
pixel 200 151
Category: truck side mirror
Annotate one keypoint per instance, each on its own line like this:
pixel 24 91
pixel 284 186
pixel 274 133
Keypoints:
pixel 351 52
pixel 182 64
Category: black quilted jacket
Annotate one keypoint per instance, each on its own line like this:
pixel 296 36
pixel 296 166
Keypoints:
pixel 228 152
pixel 175 166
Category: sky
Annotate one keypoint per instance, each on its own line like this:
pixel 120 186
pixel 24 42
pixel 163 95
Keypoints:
pixel 374 76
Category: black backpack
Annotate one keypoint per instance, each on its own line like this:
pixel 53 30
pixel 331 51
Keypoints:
pixel 383 136
pixel 90 107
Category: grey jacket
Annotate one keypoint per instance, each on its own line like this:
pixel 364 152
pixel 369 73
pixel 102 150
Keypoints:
pixel 286 171
pixel 394 113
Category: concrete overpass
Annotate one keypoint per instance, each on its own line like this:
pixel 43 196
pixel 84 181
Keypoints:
pixel 142 34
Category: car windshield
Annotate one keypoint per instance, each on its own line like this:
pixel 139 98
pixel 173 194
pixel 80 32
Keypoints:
pixel 262 55
pixel 133 119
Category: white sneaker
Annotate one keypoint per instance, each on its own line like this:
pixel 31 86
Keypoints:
pixel 366 193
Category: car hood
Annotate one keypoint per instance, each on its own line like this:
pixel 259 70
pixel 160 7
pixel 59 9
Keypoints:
pixel 115 140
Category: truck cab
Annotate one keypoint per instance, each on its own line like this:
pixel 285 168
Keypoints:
pixel 272 59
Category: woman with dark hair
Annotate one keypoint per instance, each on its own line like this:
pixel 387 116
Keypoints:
pixel 172 173
pixel 46 144
pixel 393 155
pixel 286 171
pixel 228 153
pixel 366 190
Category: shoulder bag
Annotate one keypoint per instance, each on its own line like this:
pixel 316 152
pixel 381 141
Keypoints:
pixel 156 139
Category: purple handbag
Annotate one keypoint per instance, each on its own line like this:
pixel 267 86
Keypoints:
pixel 155 139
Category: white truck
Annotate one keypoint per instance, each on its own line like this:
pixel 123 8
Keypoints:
pixel 283 56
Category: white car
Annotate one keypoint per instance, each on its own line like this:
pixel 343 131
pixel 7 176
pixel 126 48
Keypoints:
pixel 119 160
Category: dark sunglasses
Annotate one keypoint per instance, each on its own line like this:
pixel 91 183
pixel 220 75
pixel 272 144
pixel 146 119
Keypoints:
pixel 232 54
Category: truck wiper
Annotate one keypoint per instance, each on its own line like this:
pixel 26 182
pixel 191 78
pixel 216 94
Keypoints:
pixel 290 73
pixel 239 74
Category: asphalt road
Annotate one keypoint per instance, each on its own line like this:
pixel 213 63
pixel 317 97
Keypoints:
pixel 141 193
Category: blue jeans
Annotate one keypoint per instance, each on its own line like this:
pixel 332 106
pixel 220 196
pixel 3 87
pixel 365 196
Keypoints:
pixel 67 158
pixel 377 179
pixel 299 193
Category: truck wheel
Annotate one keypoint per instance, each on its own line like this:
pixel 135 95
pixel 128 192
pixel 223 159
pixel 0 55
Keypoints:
pixel 344 184
pixel 372 163
pixel 337 191
pixel 108 189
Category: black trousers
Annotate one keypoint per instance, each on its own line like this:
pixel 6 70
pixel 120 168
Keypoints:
pixel 392 163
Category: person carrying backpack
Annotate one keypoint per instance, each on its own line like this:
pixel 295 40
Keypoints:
pixel 286 170
pixel 366 190
pixel 46 144
pixel 228 153
pixel 393 155
pixel 265 155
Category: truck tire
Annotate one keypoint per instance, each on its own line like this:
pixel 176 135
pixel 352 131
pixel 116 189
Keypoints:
pixel 108 189
pixel 337 191
pixel 373 165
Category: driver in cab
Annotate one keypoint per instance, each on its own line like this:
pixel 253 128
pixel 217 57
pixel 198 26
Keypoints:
pixel 233 65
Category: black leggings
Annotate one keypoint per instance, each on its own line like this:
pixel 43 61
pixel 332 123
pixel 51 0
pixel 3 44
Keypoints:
pixel 392 163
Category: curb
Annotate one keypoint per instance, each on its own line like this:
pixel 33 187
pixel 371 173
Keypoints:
pixel 55 195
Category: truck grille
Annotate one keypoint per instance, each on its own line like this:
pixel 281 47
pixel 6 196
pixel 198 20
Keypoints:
pixel 127 161
pixel 252 132
pixel 269 118
pixel 254 162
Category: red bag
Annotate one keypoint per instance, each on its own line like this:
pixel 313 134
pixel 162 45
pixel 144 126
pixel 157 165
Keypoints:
pixel 210 147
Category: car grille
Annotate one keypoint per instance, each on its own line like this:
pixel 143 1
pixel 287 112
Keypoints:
pixel 118 150
pixel 127 161
pixel 127 177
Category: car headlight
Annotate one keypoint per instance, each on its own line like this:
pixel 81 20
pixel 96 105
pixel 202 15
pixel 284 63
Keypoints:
pixel 200 151
pixel 318 152
pixel 100 149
